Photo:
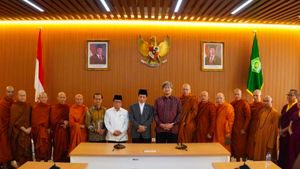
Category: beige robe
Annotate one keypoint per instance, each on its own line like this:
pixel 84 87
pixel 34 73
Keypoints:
pixel 267 131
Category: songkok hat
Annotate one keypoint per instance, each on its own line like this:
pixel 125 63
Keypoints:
pixel 117 97
pixel 143 92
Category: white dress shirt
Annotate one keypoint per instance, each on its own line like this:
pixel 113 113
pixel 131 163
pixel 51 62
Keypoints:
pixel 116 120
pixel 142 107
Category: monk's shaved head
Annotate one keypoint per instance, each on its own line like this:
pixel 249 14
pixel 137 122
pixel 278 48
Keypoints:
pixel 43 97
pixel 257 91
pixel 204 96
pixel 61 94
pixel 220 98
pixel 268 101
pixel 22 96
pixel 61 97
pixel 257 95
pixel 186 89
pixel 9 91
pixel 79 99
pixel 9 88
pixel 237 94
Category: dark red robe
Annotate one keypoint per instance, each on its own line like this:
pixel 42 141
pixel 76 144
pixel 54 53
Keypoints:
pixel 60 135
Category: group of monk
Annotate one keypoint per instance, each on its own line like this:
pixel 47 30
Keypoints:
pixel 247 130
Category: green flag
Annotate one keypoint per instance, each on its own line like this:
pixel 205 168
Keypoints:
pixel 255 77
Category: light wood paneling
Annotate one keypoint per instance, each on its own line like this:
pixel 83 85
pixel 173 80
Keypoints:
pixel 64 52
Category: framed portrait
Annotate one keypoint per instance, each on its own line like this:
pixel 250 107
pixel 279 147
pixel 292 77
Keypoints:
pixel 97 55
pixel 212 57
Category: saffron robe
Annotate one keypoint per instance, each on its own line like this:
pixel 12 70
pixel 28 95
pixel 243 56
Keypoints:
pixel 224 123
pixel 267 127
pixel 206 121
pixel 241 121
pixel 187 125
pixel 255 108
pixel 77 118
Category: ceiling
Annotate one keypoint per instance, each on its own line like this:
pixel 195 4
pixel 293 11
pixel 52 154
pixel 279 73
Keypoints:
pixel 259 11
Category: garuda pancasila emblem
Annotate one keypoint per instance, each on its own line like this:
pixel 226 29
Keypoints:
pixel 153 54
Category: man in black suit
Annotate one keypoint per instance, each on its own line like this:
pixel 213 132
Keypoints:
pixel 141 116
pixel 98 57
pixel 212 59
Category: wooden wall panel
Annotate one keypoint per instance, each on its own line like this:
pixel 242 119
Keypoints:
pixel 64 52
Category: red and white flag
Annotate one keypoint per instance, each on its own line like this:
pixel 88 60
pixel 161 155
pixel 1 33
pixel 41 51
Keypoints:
pixel 39 70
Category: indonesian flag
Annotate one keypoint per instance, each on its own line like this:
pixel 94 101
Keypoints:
pixel 39 71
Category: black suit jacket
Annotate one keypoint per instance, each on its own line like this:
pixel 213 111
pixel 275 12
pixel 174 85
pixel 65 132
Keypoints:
pixel 144 119
pixel 95 60
pixel 216 61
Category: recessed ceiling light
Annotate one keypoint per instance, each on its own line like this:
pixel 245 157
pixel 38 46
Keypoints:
pixel 178 4
pixel 34 5
pixel 243 5
pixel 105 5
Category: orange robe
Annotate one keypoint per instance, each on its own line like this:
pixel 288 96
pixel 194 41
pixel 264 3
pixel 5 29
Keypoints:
pixel 40 131
pixel 188 115
pixel 266 135
pixel 224 123
pixel 241 121
pixel 206 121
pixel 20 141
pixel 255 108
pixel 5 151
pixel 77 118
pixel 60 135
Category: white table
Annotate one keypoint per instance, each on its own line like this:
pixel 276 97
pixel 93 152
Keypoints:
pixel 149 156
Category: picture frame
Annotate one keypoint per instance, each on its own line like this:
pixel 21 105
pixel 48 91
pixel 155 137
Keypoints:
pixel 212 57
pixel 97 55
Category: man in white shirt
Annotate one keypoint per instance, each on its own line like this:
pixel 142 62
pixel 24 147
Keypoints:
pixel 116 122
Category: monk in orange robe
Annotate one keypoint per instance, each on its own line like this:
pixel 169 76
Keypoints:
pixel 41 128
pixel 206 119
pixel 224 121
pixel 255 108
pixel 240 126
pixel 59 119
pixel 20 129
pixel 77 122
pixel 267 131
pixel 5 104
pixel 188 115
